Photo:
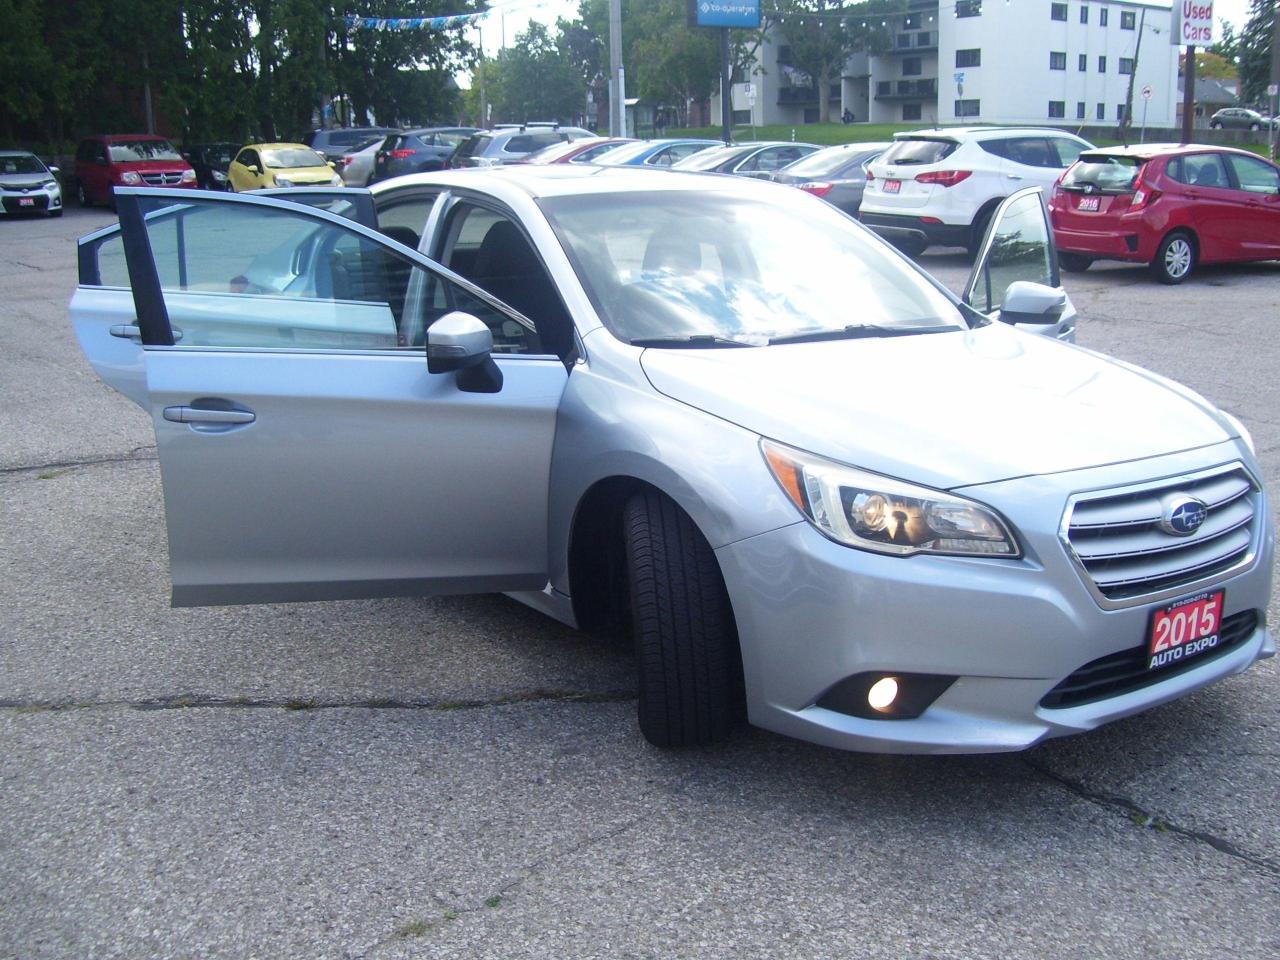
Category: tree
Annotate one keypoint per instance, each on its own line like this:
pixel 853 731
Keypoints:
pixel 531 80
pixel 1229 46
pixel 1210 66
pixel 1255 51
pixel 823 35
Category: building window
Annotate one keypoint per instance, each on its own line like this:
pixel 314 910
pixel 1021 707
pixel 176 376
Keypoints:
pixel 1082 62
pixel 904 40
pixel 969 58
pixel 1084 14
pixel 1102 17
pixel 784 56
pixel 967 108
pixel 911 111
pixel 1128 20
pixel 968 8
pixel 1126 64
pixel 1058 11
pixel 1120 112
pixel 1057 60
pixel 924 39
pixel 1080 110
pixel 883 88
pixel 911 21
pixel 912 66
pixel 1102 64
pixel 1101 113
pixel 739 118
pixel 1057 109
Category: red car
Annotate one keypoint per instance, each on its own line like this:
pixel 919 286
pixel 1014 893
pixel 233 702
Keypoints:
pixel 127 160
pixel 1168 206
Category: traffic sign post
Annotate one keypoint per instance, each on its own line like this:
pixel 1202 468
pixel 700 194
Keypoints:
pixel 1146 99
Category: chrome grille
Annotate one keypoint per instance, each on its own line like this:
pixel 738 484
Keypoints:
pixel 1118 542
pixel 161 179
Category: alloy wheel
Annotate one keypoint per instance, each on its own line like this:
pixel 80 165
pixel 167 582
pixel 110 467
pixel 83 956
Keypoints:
pixel 1177 258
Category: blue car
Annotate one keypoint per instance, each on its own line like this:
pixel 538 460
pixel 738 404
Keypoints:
pixel 654 153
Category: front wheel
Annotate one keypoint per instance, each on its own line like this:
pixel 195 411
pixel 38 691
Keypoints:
pixel 82 197
pixel 1175 258
pixel 1074 262
pixel 1215 125
pixel 1255 126
pixel 690 669
pixel 56 213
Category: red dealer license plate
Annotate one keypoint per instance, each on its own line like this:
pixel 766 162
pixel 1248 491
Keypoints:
pixel 1088 203
pixel 892 186
pixel 1184 629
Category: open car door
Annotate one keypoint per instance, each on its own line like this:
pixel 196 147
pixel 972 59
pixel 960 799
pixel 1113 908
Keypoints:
pixel 306 450
pixel 1015 278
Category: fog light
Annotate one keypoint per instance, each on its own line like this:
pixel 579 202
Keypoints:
pixel 882 693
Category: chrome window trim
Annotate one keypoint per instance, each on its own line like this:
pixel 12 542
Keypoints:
pixel 1105 602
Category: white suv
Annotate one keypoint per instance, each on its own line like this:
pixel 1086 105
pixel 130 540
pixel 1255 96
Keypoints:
pixel 941 186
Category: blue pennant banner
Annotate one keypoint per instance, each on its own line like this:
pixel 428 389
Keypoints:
pixel 411 23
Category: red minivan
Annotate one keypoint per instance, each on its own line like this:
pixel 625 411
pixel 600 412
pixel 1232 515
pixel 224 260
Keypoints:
pixel 127 160
pixel 1168 206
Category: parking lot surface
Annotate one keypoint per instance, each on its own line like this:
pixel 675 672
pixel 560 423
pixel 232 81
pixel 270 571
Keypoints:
pixel 462 777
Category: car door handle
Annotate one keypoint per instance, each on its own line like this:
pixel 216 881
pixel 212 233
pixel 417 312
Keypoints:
pixel 131 331
pixel 186 414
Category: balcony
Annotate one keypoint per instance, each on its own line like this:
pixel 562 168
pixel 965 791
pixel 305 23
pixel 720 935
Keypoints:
pixel 907 89
pixel 906 43
pixel 794 95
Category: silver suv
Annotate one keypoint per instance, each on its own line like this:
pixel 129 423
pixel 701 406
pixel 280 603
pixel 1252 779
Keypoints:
pixel 719 415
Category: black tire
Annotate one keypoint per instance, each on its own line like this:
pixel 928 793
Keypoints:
pixel 1175 258
pixel 689 665
pixel 1255 126
pixel 1074 262
pixel 82 197
pixel 1215 125
pixel 979 228
pixel 56 213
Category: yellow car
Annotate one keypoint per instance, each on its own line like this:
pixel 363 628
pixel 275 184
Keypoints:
pixel 259 165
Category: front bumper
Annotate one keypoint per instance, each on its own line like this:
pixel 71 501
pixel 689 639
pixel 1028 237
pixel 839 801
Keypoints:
pixel 30 201
pixel 811 612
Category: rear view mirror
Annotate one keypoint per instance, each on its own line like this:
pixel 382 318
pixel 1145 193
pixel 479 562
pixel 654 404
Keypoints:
pixel 1028 302
pixel 462 342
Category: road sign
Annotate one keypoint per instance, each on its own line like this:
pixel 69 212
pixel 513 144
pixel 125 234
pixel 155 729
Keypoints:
pixel 1146 91
pixel 744 14
pixel 1192 23
pixel 958 76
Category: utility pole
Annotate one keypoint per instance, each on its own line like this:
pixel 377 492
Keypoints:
pixel 726 84
pixel 1275 77
pixel 1188 94
pixel 617 81
pixel 484 103
pixel 1137 50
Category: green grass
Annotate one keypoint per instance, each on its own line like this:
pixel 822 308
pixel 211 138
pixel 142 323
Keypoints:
pixel 821 133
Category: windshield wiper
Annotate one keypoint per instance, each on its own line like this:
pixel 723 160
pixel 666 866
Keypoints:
pixel 855 331
pixel 692 341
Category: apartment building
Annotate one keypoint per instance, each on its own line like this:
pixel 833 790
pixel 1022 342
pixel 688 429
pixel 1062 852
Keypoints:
pixel 986 61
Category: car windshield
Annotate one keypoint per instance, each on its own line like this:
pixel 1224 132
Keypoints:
pixel 1102 173
pixel 826 162
pixel 626 152
pixel 725 268
pixel 220 156
pixel 132 151
pixel 918 151
pixel 25 163
pixel 474 144
pixel 706 159
pixel 450 138
pixel 349 138
pixel 291 158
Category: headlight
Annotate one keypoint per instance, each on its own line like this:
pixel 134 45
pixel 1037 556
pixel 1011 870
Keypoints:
pixel 1244 434
pixel 130 177
pixel 219 176
pixel 336 180
pixel 50 185
pixel 188 176
pixel 283 182
pixel 872 512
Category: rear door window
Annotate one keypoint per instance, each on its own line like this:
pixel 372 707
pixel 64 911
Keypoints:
pixel 1031 152
pixel 1200 170
pixel 919 152
pixel 1254 176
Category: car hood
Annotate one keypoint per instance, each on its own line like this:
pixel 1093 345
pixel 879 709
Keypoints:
pixel 16 181
pixel 152 166
pixel 945 409
pixel 304 174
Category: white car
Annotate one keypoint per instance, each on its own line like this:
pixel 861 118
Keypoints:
pixel 27 185
pixel 357 167
pixel 941 186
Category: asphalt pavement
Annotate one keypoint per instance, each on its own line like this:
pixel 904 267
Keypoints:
pixel 462 777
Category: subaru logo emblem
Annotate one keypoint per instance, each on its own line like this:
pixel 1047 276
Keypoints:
pixel 1182 515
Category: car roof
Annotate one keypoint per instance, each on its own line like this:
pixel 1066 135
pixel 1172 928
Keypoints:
pixel 1145 151
pixel 16 153
pixel 555 180
pixel 961 134
pixel 278 145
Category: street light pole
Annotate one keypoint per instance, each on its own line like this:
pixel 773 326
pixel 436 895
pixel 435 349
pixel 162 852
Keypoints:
pixel 617 83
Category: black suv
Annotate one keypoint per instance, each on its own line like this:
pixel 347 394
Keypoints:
pixel 489 148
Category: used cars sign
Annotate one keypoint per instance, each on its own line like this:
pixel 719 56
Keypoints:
pixel 1192 23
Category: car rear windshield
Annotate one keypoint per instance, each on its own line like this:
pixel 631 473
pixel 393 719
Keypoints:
pixel 292 158
pixel 20 164
pixel 132 151
pixel 918 151
pixel 529 142
pixel 347 138
pixel 825 162
pixel 1102 173
pixel 474 144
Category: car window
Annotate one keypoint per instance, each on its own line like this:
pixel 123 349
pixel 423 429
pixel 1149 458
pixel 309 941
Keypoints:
pixel 248 276
pixel 1103 173
pixel 826 162
pixel 132 151
pixel 680 151
pixel 1253 175
pixel 492 252
pixel 1068 150
pixel 1020 250
pixel 915 152
pixel 528 142
pixel 403 217
pixel 22 163
pixel 1031 152
pixel 292 158
pixel 248 158
pixel 1200 170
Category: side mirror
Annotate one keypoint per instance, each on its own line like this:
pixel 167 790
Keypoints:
pixel 462 342
pixel 254 169
pixel 55 170
pixel 332 165
pixel 1027 302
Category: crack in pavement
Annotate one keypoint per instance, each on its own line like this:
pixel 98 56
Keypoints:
pixel 199 702
pixel 1150 821
pixel 134 456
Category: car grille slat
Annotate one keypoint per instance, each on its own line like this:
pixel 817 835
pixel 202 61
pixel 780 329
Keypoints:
pixel 161 179
pixel 1126 671
pixel 1122 551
